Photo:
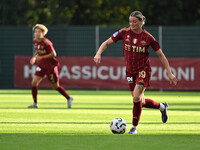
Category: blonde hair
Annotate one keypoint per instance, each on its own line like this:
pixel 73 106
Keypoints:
pixel 41 27
pixel 138 15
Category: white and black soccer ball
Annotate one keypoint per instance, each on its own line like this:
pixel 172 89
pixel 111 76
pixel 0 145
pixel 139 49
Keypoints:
pixel 118 126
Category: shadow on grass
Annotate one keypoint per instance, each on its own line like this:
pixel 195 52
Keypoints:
pixel 101 92
pixel 94 123
pixel 65 141
pixel 100 108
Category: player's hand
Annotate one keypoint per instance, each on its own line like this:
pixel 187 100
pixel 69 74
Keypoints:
pixel 97 59
pixel 172 79
pixel 38 58
pixel 32 61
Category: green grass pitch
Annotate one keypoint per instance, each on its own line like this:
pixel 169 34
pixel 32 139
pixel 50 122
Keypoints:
pixel 86 125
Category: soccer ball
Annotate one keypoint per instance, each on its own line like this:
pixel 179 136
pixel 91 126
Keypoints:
pixel 118 126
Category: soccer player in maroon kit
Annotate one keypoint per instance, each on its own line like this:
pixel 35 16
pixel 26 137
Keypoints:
pixel 136 41
pixel 47 64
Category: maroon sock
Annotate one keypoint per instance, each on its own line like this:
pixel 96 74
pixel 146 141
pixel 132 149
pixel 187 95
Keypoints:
pixel 149 103
pixel 34 94
pixel 62 91
pixel 137 110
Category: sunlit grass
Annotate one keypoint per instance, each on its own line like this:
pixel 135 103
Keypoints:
pixel 86 124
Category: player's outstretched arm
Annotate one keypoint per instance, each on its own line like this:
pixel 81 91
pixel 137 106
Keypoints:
pixel 172 78
pixel 104 45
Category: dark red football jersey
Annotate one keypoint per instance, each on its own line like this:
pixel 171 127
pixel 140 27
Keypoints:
pixel 135 48
pixel 43 48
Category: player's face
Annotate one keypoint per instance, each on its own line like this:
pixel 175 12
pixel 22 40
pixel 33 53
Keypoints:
pixel 135 23
pixel 38 33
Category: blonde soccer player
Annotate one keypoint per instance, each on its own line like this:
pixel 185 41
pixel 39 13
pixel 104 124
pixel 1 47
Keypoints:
pixel 136 41
pixel 47 65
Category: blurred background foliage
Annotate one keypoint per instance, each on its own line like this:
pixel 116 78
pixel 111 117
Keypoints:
pixel 98 12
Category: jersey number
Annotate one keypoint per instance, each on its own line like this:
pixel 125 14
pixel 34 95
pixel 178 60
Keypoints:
pixel 142 74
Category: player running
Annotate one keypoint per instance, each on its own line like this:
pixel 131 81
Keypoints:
pixel 136 41
pixel 47 64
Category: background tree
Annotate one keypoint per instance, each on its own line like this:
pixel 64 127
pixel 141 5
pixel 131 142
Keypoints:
pixel 98 12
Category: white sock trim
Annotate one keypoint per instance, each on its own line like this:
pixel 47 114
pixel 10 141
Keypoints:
pixel 134 126
pixel 162 107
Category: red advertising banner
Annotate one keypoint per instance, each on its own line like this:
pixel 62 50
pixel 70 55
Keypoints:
pixel 82 73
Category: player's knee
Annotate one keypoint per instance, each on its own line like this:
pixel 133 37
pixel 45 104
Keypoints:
pixel 55 86
pixel 136 98
pixel 34 83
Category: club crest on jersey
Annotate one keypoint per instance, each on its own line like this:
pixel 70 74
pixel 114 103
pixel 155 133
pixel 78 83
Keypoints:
pixel 143 42
pixel 135 41
pixel 127 38
pixel 115 34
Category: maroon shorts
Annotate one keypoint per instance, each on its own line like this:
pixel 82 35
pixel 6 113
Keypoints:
pixel 52 73
pixel 142 77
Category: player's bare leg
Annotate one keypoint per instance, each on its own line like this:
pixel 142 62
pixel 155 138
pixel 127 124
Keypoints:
pixel 35 82
pixel 62 91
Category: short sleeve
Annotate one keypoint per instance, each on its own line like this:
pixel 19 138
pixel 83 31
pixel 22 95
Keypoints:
pixel 116 36
pixel 154 44
pixel 49 46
